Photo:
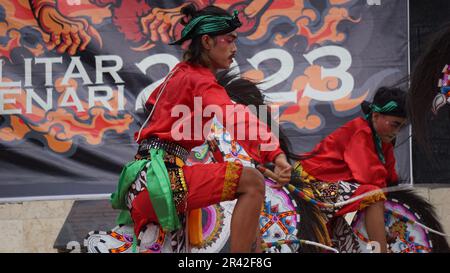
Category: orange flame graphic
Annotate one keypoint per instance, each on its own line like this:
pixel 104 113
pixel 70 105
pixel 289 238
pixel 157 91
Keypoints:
pixel 61 125
pixel 300 16
pixel 299 114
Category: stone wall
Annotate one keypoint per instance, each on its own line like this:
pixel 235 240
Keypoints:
pixel 34 226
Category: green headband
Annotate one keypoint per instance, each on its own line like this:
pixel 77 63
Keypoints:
pixel 208 24
pixel 388 107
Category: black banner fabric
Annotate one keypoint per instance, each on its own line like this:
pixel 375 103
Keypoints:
pixel 75 73
pixel 426 19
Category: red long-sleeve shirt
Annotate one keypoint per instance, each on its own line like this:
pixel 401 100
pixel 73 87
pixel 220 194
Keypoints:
pixel 192 81
pixel 349 154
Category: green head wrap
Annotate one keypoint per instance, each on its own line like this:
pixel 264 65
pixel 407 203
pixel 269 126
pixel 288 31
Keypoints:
pixel 386 109
pixel 208 24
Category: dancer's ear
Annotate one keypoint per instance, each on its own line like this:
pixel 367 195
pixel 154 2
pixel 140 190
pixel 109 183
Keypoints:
pixel 207 42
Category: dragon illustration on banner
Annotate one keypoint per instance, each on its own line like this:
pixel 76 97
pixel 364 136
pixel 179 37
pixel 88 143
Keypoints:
pixel 50 51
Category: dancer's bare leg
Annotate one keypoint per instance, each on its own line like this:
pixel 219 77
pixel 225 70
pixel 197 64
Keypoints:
pixel 375 224
pixel 244 221
pixel 257 245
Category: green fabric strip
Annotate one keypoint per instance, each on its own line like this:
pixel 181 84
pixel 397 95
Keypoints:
pixel 118 199
pixel 388 107
pixel 379 147
pixel 134 245
pixel 160 192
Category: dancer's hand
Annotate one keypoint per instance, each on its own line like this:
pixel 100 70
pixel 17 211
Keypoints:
pixel 282 171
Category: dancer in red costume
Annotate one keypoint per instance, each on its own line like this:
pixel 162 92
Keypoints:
pixel 158 186
pixel 358 158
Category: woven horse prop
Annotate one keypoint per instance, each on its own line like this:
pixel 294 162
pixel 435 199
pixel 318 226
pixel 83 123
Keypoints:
pixel 411 224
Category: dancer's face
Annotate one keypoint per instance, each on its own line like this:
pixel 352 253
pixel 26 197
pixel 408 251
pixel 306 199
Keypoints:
pixel 220 50
pixel 387 127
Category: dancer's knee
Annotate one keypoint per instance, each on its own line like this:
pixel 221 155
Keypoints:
pixel 251 182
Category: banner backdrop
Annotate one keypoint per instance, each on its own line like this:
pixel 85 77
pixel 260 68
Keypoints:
pixel 75 73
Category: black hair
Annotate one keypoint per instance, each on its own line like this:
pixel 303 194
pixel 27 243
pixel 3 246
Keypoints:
pixel 194 53
pixel 383 96
pixel 246 92
pixel 424 82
